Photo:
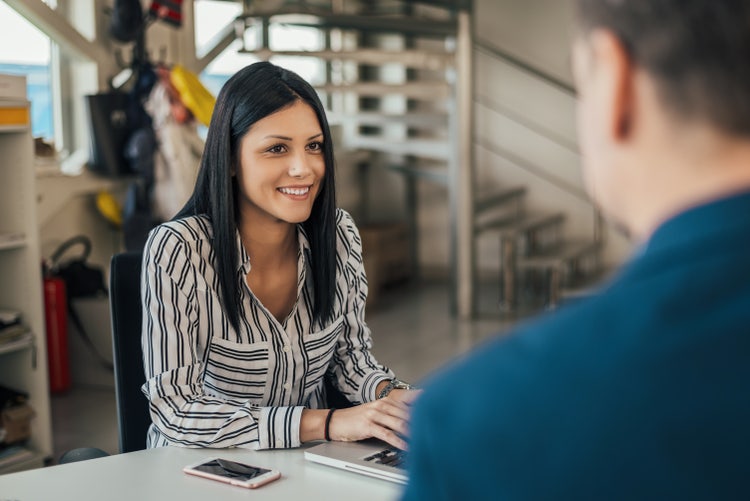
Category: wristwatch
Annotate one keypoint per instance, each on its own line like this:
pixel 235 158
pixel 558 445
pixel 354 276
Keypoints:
pixel 394 384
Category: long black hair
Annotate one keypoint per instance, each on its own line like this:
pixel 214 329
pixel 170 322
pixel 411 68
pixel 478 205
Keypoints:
pixel 253 93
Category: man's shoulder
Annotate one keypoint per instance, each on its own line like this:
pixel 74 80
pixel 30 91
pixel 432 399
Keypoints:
pixel 637 323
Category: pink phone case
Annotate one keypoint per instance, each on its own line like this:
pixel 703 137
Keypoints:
pixel 251 484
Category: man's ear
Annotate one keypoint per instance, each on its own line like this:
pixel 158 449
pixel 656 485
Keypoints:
pixel 615 83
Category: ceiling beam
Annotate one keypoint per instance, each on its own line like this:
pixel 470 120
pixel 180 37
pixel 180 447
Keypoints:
pixel 217 45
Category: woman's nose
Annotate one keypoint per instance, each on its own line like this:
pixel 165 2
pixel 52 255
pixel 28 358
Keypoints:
pixel 299 165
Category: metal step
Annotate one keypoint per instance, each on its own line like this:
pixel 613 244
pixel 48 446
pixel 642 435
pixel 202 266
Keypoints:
pixel 426 91
pixel 487 203
pixel 410 119
pixel 511 227
pixel 318 18
pixel 421 59
pixel 439 175
pixel 558 255
pixel 423 148
pixel 553 261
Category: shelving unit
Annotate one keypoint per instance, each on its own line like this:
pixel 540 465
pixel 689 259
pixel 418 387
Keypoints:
pixel 23 364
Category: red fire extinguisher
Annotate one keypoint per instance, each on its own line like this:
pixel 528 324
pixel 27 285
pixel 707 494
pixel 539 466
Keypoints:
pixel 56 318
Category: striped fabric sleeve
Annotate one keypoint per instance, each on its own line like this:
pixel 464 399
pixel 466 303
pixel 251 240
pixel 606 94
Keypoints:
pixel 356 369
pixel 182 413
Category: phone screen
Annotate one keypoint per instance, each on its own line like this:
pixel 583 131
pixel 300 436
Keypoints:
pixel 231 469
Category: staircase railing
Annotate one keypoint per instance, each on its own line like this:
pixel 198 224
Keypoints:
pixel 498 53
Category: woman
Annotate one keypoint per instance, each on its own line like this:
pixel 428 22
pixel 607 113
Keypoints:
pixel 256 292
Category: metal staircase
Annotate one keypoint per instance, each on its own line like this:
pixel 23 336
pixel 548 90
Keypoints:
pixel 412 108
pixel 533 251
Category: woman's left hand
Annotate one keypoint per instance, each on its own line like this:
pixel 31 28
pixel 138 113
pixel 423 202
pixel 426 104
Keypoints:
pixel 386 419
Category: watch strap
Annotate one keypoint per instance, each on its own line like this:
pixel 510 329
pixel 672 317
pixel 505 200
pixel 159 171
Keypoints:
pixel 394 384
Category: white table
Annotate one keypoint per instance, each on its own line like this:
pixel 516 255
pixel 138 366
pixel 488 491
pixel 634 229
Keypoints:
pixel 157 474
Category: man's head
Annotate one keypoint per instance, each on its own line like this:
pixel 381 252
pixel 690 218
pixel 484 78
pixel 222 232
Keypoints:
pixel 659 80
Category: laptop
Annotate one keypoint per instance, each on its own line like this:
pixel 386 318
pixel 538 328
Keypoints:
pixel 369 457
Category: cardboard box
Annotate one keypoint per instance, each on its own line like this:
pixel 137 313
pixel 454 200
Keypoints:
pixel 387 256
pixel 12 87
pixel 16 423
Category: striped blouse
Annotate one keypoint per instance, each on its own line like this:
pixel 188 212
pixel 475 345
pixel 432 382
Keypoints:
pixel 211 386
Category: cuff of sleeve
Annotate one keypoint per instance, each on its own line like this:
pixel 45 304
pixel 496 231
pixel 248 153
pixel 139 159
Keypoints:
pixel 370 385
pixel 279 427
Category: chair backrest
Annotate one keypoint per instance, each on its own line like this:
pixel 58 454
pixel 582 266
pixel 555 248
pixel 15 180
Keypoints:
pixel 133 418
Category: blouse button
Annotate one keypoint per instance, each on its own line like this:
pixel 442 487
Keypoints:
pixel 287 349
pixel 287 386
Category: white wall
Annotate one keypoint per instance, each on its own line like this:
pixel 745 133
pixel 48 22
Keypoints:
pixel 536 31
pixel 66 207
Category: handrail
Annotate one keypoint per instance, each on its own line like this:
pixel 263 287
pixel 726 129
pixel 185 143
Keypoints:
pixel 493 50
pixel 528 124
pixel 528 166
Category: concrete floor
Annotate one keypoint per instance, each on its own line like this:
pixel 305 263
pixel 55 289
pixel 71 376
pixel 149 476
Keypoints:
pixel 413 333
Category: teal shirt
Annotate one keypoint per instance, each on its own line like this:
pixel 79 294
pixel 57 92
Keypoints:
pixel 639 392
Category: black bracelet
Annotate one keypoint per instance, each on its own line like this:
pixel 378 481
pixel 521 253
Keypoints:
pixel 328 424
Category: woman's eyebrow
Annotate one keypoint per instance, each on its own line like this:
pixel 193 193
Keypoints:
pixel 286 138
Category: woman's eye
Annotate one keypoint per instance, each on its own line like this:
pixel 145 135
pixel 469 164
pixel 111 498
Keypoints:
pixel 315 146
pixel 279 148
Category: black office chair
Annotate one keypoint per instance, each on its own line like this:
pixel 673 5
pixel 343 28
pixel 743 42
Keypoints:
pixel 133 418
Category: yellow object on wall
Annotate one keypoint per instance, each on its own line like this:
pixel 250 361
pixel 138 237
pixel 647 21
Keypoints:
pixel 109 208
pixel 193 93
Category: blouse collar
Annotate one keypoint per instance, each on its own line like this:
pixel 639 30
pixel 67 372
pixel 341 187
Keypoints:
pixel 243 263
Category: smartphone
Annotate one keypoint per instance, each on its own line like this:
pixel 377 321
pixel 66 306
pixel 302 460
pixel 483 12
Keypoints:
pixel 232 472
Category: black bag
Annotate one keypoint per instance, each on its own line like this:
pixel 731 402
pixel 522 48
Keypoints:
pixel 81 280
pixel 110 128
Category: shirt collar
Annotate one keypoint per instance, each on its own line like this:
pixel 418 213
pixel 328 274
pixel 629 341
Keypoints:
pixel 243 262
pixel 705 222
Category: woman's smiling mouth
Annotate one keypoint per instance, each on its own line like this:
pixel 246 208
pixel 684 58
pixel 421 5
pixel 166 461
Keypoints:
pixel 295 192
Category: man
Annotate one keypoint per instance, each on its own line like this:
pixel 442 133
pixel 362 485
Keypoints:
pixel 643 391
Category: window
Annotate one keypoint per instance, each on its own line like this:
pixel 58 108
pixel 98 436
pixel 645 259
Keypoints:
pixel 24 50
pixel 211 16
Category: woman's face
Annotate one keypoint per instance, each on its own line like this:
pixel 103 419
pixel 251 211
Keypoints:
pixel 281 166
